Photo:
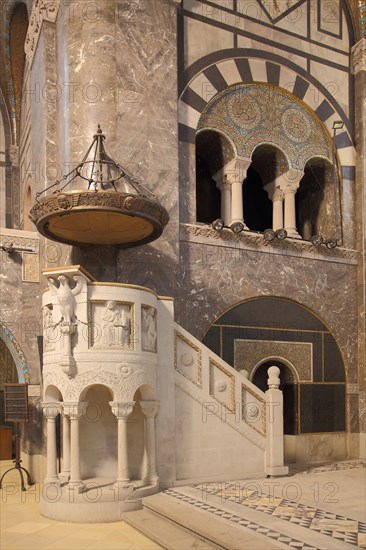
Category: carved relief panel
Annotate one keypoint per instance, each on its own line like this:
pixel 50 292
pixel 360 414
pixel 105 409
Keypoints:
pixel 148 329
pixel 111 324
pixel 51 333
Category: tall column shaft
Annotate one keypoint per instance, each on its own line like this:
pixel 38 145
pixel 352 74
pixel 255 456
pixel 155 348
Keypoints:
pixel 65 447
pixel 74 411
pixel 277 222
pixel 225 202
pixel 237 211
pixel 290 182
pixel 51 411
pixel 150 410
pixel 122 411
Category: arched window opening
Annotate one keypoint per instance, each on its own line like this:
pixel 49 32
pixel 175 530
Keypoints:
pixel 213 152
pixel 317 200
pixel 8 375
pixel 2 173
pixel 268 164
pixel 17 35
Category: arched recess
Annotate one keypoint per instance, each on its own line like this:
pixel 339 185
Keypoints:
pixel 249 332
pixel 5 175
pixel 98 434
pixel 213 151
pixel 8 375
pixel 18 27
pixel 318 209
pixel 17 354
pixel 289 386
pixel 268 164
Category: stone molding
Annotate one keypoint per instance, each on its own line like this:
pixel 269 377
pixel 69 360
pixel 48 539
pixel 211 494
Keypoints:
pixel 123 389
pixel 359 56
pixel 43 10
pixel 19 239
pixel 205 234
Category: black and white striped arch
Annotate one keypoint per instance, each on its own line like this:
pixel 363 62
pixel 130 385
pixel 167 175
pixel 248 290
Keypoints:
pixel 202 86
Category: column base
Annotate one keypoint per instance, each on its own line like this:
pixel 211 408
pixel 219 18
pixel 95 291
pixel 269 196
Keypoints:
pixel 293 233
pixel 77 486
pixel 64 477
pixel 52 481
pixel 277 471
pixel 151 480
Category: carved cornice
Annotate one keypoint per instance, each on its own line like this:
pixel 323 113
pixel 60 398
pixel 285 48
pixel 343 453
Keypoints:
pixel 43 10
pixel 359 56
pixel 19 239
pixel 246 240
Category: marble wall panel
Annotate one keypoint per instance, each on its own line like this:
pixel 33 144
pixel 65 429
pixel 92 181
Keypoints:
pixel 147 129
pixel 214 279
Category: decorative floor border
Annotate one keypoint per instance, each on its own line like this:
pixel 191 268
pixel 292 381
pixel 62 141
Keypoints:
pixel 326 523
pixel 237 520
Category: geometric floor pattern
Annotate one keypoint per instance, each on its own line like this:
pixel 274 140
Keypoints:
pixel 239 521
pixel 324 522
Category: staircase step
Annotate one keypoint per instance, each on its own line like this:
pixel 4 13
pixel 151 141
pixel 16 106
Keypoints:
pixel 206 530
pixel 164 532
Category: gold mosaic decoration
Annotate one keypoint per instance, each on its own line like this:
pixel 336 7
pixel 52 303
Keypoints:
pixel 257 113
pixel 249 353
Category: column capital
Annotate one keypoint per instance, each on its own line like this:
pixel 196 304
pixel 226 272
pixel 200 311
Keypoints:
pixel 74 409
pixel 122 410
pixel 236 169
pixel 51 409
pixel 221 180
pixel 150 408
pixel 290 181
pixel 273 190
pixel 359 56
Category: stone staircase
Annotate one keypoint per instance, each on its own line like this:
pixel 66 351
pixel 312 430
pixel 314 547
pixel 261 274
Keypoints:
pixel 176 526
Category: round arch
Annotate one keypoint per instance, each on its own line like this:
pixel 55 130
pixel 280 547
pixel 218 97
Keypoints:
pixel 253 330
pixel 17 354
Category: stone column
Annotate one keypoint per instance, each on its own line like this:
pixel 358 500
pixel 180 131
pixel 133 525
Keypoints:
pixel 225 188
pixel 65 473
pixel 276 195
pixel 150 410
pixel 358 409
pixel 289 185
pixel 236 172
pixel 277 202
pixel 74 411
pixel 122 411
pixel 51 410
pixel 274 426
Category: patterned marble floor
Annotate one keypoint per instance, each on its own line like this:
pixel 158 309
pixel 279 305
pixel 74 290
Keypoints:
pixel 323 484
